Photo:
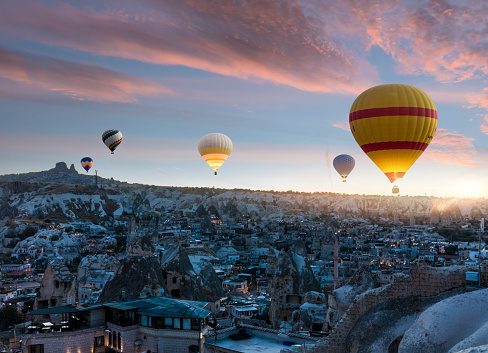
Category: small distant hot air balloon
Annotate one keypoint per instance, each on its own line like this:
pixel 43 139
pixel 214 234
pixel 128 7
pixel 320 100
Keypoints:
pixel 215 148
pixel 86 163
pixel 395 189
pixel 112 139
pixel 344 164
pixel 393 124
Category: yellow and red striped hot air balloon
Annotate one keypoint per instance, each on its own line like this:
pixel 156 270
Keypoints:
pixel 393 124
pixel 215 148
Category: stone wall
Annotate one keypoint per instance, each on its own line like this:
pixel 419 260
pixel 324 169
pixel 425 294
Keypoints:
pixel 423 281
pixel 156 340
pixel 60 341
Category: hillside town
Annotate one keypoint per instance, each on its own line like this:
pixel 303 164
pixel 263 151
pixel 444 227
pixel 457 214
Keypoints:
pixel 134 268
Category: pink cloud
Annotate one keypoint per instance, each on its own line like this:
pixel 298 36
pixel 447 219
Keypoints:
pixel 451 148
pixel 343 125
pixel 272 41
pixel 75 80
pixel 439 38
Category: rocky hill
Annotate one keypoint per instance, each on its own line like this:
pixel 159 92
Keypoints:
pixel 65 195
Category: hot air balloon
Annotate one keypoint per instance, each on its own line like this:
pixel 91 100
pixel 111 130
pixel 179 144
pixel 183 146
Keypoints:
pixel 395 189
pixel 112 139
pixel 86 163
pixel 393 124
pixel 215 148
pixel 344 164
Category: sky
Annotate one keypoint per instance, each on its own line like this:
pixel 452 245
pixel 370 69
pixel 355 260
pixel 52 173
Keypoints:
pixel 277 77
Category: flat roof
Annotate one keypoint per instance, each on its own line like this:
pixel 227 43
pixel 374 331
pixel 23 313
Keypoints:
pixel 164 307
pixel 246 308
pixel 253 344
pixel 156 307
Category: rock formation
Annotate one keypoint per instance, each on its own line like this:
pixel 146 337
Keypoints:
pixel 58 288
pixel 189 274
pixel 137 277
pixel 292 279
pixel 341 298
pixel 140 245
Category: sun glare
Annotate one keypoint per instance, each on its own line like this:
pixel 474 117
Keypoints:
pixel 472 189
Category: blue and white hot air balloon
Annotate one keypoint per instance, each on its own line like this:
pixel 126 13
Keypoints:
pixel 344 164
pixel 111 139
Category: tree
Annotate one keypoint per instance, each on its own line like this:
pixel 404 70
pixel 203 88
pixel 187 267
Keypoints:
pixel 121 243
pixel 9 316
pixel 120 228
pixel 201 211
pixel 29 232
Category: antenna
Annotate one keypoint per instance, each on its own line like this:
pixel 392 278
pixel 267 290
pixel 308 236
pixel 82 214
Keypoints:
pixel 482 229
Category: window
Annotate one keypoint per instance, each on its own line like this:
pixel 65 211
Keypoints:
pixel 176 323
pixel 143 320
pixel 168 322
pixel 174 279
pixel 36 348
pixel 99 341
pixel 186 324
pixel 119 343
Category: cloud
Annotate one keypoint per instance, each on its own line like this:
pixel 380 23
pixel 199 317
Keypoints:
pixel 444 38
pixel 274 41
pixel 451 148
pixel 343 125
pixel 75 80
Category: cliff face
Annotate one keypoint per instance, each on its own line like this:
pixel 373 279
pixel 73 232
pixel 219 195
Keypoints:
pixel 137 277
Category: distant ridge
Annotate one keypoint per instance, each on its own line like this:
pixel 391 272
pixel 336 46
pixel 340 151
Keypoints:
pixel 60 174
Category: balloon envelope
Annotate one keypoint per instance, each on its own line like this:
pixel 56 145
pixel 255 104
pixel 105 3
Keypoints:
pixel 86 163
pixel 393 124
pixel 112 139
pixel 344 164
pixel 215 148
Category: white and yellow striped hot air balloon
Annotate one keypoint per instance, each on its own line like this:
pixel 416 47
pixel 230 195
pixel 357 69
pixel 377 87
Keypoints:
pixel 215 148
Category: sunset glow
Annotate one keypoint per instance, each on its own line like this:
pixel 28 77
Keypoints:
pixel 278 78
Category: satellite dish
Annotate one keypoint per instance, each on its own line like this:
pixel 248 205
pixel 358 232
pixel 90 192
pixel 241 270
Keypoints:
pixel 473 255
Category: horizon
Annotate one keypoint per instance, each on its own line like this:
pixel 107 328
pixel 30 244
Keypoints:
pixel 253 190
pixel 278 79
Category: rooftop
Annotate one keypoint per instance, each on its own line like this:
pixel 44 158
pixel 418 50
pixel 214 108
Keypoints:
pixel 156 307
pixel 253 345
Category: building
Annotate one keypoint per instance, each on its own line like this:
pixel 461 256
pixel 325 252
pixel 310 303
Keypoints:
pixel 155 324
